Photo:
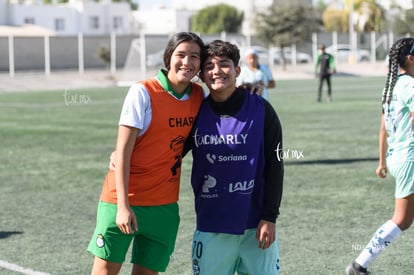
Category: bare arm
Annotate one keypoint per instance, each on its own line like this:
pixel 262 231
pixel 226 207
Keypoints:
pixel 125 218
pixel 382 165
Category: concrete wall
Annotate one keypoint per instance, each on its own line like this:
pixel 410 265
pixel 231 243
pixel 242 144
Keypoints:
pixel 3 12
pixel 29 52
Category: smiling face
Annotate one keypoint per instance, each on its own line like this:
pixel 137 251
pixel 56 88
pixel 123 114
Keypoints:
pixel 184 65
pixel 219 74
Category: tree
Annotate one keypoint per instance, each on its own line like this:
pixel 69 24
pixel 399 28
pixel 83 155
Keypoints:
pixel 48 2
pixel 216 19
pixel 369 16
pixel 335 20
pixel 133 4
pixel 321 4
pixel 403 22
pixel 287 23
pixel 104 53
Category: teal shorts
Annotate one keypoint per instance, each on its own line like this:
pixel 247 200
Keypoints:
pixel 153 243
pixel 225 254
pixel 403 173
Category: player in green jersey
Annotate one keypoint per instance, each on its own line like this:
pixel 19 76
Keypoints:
pixel 396 148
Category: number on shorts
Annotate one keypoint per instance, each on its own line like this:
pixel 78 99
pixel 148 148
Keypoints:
pixel 197 249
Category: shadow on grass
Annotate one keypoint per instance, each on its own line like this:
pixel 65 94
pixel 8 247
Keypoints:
pixel 344 74
pixel 329 161
pixel 6 234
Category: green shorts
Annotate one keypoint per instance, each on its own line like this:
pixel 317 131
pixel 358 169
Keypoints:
pixel 225 254
pixel 403 173
pixel 153 243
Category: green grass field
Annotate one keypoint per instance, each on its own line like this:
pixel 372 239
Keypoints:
pixel 54 155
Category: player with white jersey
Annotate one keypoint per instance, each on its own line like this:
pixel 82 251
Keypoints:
pixel 396 147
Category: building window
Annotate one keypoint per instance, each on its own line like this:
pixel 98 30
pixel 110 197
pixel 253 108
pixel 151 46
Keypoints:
pixel 117 23
pixel 94 22
pixel 29 20
pixel 59 24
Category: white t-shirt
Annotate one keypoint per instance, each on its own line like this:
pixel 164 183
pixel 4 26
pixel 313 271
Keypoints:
pixel 136 111
pixel 399 122
pixel 249 76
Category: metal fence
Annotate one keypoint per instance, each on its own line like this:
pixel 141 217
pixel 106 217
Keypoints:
pixel 81 52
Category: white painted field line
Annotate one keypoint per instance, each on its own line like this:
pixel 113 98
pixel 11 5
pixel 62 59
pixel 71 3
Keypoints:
pixel 14 267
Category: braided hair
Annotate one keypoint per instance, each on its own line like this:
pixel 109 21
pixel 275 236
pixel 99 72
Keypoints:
pixel 397 59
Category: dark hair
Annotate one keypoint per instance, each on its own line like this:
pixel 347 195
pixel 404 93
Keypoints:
pixel 397 58
pixel 176 40
pixel 223 49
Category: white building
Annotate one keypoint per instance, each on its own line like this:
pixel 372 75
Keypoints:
pixel 92 18
pixel 103 18
pixel 75 17
pixel 162 20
